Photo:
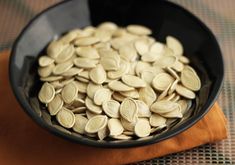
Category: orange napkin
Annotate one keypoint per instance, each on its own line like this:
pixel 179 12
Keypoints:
pixel 24 142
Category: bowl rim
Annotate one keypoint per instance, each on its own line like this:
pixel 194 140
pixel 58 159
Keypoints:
pixel 125 144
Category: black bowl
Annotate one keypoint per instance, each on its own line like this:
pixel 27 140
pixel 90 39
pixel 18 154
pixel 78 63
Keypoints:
pixel 164 18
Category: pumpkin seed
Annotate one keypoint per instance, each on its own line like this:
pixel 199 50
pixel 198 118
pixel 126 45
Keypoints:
pixel 181 90
pixel 141 47
pixel 66 118
pixel 175 45
pixel 98 74
pixel 111 108
pixel 138 30
pixel 85 62
pixel 103 133
pixel 147 95
pixel 119 86
pixel 87 52
pixel 46 71
pixel 143 109
pixel 157 120
pixel 142 128
pixel 128 109
pixel 102 95
pixel 190 79
pixel 92 107
pixel 47 93
pixel 96 123
pixel 69 92
pixel 161 81
pixel 115 127
pixel 132 94
pixel 164 106
pixel 45 61
pixel 80 123
pixel 61 68
pixel 86 41
pixel 65 54
pixel 133 81
pixel 55 105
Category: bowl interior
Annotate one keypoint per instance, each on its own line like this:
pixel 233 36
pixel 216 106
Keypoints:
pixel 164 18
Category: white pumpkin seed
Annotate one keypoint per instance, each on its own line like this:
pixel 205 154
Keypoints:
pixel 142 128
pixel 128 109
pixel 46 71
pixel 55 105
pixel 178 66
pixel 45 61
pixel 115 127
pixel 111 108
pixel 122 137
pixel 119 86
pixel 92 107
pixel 51 78
pixel 86 41
pixel 96 123
pixel 147 95
pixel 80 123
pixel 133 81
pixel 157 120
pixel 123 69
pixel 175 45
pixel 81 86
pixel 132 94
pixel 46 93
pixel 161 81
pixel 98 74
pixel 138 30
pixel 72 72
pixel 181 90
pixel 147 76
pixel 164 106
pixel 143 109
pixel 110 26
pixel 85 63
pixel 166 61
pixel 128 53
pixel 118 97
pixel 66 118
pixel 173 114
pixel 54 48
pixel 69 92
pixel 150 57
pixel 103 133
pixel 164 93
pixel 129 125
pixel 87 52
pixel 110 63
pixel 65 54
pixel 61 68
pixel 183 106
pixel 190 79
pixel 141 47
pixel 92 88
pixel 102 95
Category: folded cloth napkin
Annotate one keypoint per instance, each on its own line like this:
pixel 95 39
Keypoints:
pixel 24 142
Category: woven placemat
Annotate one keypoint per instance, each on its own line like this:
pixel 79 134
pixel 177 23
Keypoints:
pixel 218 15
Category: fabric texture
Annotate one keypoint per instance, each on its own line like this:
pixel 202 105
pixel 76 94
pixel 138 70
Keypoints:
pixel 22 141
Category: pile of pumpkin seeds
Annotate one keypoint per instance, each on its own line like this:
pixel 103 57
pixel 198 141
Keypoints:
pixel 116 82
